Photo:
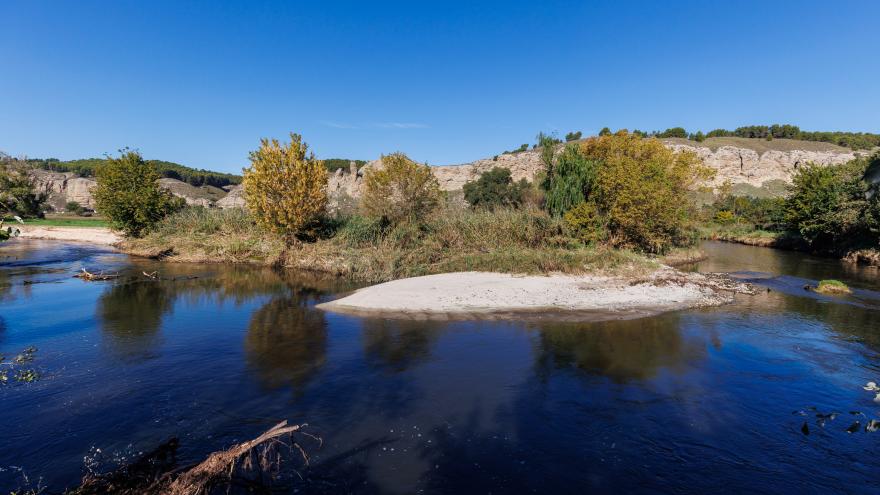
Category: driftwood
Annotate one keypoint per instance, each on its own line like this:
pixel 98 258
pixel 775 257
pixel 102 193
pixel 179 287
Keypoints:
pixel 252 465
pixel 91 277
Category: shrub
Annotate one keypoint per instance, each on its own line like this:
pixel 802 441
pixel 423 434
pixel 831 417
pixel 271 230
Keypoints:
pixel 642 189
pixel 285 188
pixel 674 132
pixel 725 217
pixel 18 194
pixel 573 136
pixel 828 206
pixel 585 222
pixel 75 208
pixel 495 188
pixel 400 190
pixel 570 181
pixel 129 195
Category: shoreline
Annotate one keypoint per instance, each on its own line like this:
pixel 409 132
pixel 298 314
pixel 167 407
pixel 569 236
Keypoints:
pixel 499 295
pixel 93 235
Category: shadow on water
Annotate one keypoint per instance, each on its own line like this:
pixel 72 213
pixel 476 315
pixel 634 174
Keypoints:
pixel 622 350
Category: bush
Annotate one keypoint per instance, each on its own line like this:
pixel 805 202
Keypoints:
pixel 585 223
pixel 285 188
pixel 828 207
pixel 573 136
pixel 129 195
pixel 570 181
pixel 642 189
pixel 18 194
pixel 674 132
pixel 725 217
pixel 495 188
pixel 400 190
pixel 75 208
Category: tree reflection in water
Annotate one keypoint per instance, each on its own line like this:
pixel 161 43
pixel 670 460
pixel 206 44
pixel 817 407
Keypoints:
pixel 131 315
pixel 286 342
pixel 621 350
pixel 398 345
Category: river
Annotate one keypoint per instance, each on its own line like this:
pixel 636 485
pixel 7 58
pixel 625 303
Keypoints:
pixel 694 401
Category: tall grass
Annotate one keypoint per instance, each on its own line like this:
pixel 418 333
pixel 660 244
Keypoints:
pixel 453 239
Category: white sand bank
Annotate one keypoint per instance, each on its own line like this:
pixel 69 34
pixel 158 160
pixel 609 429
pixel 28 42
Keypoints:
pixel 94 235
pixel 481 292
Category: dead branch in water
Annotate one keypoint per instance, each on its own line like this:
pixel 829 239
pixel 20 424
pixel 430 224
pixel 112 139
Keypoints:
pixel 91 277
pixel 255 464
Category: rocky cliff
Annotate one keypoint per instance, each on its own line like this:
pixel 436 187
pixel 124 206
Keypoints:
pixel 743 162
pixel 64 187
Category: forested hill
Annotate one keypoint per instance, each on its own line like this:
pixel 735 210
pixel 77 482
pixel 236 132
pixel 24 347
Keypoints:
pixel 196 177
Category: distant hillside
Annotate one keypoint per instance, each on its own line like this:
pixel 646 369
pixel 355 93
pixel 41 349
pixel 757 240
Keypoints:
pixel 193 176
pixel 196 177
pixel 852 140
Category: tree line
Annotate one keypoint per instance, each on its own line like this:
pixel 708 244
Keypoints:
pixel 88 168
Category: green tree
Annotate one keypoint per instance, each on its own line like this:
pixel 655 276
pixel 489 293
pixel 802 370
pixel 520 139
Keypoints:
pixel 129 195
pixel 495 188
pixel 286 188
pixel 571 181
pixel 828 206
pixel 605 132
pixel 18 192
pixel 573 136
pixel 400 190
pixel 674 132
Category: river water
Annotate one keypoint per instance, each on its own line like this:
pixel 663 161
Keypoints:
pixel 686 402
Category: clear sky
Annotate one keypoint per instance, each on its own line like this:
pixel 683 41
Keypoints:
pixel 200 82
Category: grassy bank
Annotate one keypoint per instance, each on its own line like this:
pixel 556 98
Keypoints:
pixel 508 241
pixel 65 221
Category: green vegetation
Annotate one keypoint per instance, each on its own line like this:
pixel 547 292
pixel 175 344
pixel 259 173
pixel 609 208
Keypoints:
pixel 128 194
pixel 88 168
pixel 285 188
pixel 66 221
pixel 18 194
pixel 828 210
pixel 832 287
pixel 524 240
pixel 573 136
pixel 401 190
pixel 495 188
pixel 569 180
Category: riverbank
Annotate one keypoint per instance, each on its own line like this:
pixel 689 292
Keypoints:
pixel 782 240
pixel 94 235
pixel 495 294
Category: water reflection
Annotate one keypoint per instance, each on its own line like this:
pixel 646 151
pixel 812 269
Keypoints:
pixel 622 350
pixel 131 314
pixel 286 342
pixel 398 345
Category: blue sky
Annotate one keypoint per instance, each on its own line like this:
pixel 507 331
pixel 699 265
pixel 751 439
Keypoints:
pixel 447 82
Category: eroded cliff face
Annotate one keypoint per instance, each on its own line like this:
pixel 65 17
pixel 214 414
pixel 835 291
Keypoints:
pixel 731 163
pixel 64 187
pixel 745 166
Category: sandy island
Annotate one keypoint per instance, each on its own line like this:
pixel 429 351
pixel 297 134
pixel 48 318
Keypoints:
pixel 474 293
pixel 93 235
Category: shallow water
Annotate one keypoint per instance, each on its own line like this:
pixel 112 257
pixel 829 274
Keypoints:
pixel 692 401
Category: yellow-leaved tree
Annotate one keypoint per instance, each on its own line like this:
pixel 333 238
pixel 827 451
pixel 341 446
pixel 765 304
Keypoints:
pixel 400 190
pixel 286 188
pixel 641 188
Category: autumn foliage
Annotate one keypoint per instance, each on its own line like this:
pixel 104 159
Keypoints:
pixel 285 187
pixel 400 190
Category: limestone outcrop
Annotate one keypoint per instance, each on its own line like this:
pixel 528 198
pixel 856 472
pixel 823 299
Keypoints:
pixel 745 166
